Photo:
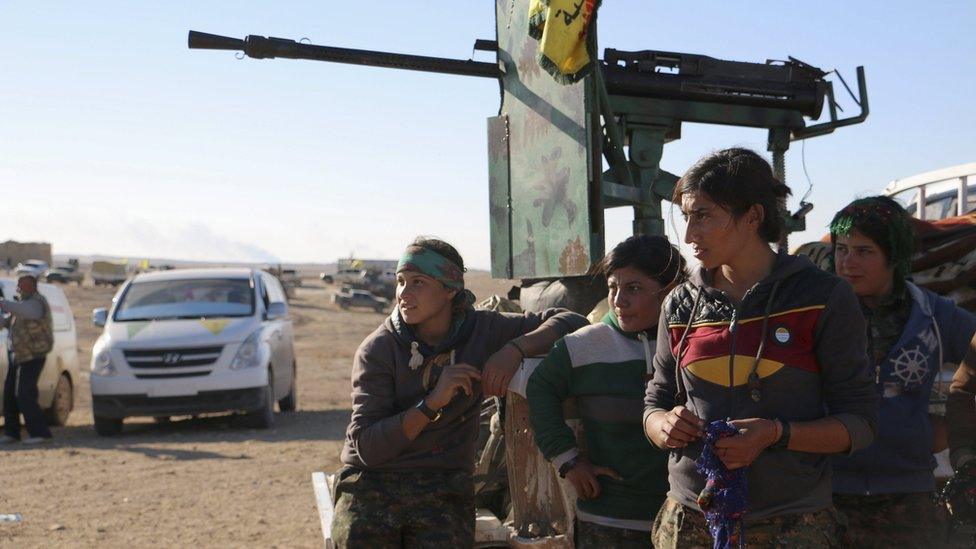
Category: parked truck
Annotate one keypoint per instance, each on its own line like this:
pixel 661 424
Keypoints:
pixel 108 272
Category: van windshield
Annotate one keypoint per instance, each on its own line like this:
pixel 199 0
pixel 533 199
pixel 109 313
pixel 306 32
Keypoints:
pixel 186 298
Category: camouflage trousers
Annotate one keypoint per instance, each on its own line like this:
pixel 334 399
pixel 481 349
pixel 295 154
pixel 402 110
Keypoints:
pixel 891 520
pixel 385 509
pixel 679 527
pixel 590 535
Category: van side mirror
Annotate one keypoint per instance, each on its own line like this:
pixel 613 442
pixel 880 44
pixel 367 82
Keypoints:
pixel 99 316
pixel 277 310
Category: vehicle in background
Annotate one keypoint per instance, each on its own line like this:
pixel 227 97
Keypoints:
pixel 34 267
pixel 60 374
pixel 290 278
pixel 387 276
pixel 64 274
pixel 347 276
pixel 947 192
pixel 348 297
pixel 108 272
pixel 191 341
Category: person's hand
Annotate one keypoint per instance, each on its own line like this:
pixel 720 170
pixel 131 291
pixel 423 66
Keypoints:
pixel 755 435
pixel 677 428
pixel 456 376
pixel 583 476
pixel 499 369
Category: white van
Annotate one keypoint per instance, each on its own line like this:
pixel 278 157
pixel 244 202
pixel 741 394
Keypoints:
pixel 938 194
pixel 59 377
pixel 193 341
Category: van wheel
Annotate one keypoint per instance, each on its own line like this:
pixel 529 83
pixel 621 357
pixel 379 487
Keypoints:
pixel 263 417
pixel 108 426
pixel 290 402
pixel 61 405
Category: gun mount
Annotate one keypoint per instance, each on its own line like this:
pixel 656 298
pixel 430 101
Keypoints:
pixel 624 112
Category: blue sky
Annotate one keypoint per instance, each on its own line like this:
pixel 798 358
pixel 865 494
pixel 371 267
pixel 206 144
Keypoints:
pixel 117 139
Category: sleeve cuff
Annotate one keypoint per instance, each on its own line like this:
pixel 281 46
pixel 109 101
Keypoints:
pixel 647 413
pixel 558 461
pixel 860 431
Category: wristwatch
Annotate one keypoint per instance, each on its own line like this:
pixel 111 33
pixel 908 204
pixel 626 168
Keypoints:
pixel 568 465
pixel 784 437
pixel 432 415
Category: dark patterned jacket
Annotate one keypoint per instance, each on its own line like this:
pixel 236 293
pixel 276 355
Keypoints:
pixel 793 349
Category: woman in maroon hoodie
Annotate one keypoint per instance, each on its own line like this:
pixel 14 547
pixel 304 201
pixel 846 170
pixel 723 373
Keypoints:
pixel 418 382
pixel 767 340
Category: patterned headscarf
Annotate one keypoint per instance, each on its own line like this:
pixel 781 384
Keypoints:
pixel 885 222
pixel 418 259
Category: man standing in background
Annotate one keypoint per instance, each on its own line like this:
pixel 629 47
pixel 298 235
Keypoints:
pixel 31 339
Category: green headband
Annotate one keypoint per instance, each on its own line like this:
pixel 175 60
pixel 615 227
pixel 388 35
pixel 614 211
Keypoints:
pixel 417 259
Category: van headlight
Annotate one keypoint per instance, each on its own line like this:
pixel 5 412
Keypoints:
pixel 248 354
pixel 102 364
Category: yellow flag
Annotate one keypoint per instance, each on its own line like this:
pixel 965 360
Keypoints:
pixel 560 26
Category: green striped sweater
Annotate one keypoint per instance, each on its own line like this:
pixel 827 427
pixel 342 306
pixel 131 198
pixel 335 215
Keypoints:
pixel 606 370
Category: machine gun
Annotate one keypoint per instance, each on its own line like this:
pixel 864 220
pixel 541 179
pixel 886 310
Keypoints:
pixel 626 111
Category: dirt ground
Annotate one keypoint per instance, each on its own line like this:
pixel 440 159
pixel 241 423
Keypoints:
pixel 206 481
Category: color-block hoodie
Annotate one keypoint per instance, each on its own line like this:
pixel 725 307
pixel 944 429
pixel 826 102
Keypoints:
pixel 606 370
pixel 807 328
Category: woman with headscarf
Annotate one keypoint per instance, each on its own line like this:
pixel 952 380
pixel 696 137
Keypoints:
pixel 768 341
pixel 887 490
pixel 418 382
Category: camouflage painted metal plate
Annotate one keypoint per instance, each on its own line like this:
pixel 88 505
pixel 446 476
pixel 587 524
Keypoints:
pixel 540 148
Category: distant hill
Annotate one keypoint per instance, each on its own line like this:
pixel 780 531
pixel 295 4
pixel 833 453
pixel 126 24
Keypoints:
pixel 87 259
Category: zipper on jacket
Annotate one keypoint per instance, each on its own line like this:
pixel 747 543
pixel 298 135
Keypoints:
pixel 734 332
pixel 733 402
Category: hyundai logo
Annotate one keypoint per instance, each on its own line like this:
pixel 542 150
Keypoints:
pixel 171 359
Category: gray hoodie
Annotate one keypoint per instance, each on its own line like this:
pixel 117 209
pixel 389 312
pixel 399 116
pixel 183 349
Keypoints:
pixel 385 387
pixel 813 365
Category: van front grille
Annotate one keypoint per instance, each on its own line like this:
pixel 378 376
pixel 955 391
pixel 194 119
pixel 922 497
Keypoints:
pixel 172 358
pixel 169 376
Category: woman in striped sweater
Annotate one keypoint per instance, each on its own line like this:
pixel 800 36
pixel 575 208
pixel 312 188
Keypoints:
pixel 620 478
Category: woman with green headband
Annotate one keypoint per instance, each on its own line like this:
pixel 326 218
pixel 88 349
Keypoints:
pixel 418 382
pixel 886 490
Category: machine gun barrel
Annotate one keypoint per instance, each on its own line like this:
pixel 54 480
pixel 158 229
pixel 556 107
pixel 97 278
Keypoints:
pixel 204 41
pixel 260 47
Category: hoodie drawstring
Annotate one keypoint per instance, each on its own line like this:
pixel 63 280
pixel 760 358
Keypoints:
pixel 681 397
pixel 416 359
pixel 755 383
pixel 648 354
